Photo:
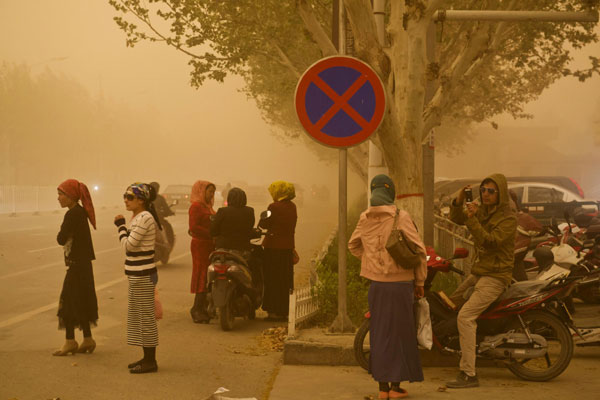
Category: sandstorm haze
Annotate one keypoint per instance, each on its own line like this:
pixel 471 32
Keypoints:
pixel 93 109
pixel 109 115
pixel 562 138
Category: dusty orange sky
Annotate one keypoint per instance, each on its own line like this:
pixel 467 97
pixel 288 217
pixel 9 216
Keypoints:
pixel 80 39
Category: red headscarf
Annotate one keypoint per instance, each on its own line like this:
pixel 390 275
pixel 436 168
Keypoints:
pixel 76 191
pixel 199 194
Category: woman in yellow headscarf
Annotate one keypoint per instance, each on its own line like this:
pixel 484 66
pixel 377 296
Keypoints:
pixel 279 248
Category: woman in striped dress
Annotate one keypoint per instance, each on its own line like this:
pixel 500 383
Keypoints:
pixel 138 242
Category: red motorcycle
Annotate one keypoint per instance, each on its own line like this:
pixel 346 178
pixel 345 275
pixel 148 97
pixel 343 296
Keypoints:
pixel 526 328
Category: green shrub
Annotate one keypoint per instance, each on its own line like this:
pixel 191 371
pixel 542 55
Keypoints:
pixel 446 283
pixel 357 288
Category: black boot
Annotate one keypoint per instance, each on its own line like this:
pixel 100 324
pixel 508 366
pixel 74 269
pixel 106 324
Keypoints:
pixel 198 311
pixel 146 364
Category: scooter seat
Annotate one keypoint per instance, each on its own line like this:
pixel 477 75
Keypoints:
pixel 229 255
pixel 522 289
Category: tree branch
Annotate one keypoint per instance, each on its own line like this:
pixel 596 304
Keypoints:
pixel 316 30
pixel 366 44
pixel 478 43
pixel 285 61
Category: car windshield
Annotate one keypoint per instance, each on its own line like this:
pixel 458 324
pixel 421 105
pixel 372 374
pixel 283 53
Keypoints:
pixel 178 189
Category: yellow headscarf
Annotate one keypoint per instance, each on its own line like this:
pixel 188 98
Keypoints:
pixel 282 190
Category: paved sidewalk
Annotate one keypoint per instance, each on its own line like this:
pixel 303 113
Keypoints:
pixel 337 377
pixel 580 381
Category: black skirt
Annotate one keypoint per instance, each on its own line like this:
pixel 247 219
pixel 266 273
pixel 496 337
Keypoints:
pixel 278 275
pixel 78 305
pixel 394 352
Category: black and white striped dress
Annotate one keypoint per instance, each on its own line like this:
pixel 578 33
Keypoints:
pixel 140 269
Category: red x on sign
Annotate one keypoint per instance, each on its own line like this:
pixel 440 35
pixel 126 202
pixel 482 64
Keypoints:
pixel 340 101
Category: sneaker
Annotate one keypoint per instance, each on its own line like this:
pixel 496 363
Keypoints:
pixel 463 381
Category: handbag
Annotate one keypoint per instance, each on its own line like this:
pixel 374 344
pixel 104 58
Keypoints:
pixel 402 250
pixel 158 308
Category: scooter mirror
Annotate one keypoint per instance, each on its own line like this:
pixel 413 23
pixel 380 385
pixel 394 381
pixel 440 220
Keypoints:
pixel 265 214
pixel 568 219
pixel 554 225
pixel 460 252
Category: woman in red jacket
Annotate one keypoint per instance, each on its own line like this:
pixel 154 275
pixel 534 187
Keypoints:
pixel 201 209
pixel 279 250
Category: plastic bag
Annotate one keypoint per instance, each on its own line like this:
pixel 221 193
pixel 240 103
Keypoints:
pixel 423 321
pixel 217 395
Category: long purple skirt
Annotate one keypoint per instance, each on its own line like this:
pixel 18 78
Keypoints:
pixel 394 353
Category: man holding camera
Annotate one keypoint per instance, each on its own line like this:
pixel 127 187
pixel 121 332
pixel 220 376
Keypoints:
pixel 493 225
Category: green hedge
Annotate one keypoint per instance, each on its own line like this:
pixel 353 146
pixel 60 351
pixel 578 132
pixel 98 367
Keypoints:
pixel 327 288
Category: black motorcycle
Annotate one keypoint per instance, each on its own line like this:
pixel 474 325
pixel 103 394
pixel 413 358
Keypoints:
pixel 235 282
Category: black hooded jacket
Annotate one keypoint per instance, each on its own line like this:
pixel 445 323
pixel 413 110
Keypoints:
pixel 232 225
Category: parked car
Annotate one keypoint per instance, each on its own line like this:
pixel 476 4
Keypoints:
pixel 181 193
pixel 538 192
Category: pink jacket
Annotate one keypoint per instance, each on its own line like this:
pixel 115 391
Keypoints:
pixel 369 239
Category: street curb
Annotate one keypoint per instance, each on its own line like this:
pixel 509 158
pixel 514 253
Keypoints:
pixel 300 352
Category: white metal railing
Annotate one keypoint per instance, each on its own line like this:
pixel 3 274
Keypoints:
pixel 34 199
pixel 304 303
pixel 447 236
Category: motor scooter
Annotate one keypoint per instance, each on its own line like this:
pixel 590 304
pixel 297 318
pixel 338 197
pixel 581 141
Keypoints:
pixel 235 281
pixel 165 238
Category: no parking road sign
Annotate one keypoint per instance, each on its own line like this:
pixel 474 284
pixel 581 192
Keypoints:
pixel 340 101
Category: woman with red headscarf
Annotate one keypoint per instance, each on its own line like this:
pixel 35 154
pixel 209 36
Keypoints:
pixel 201 209
pixel 78 306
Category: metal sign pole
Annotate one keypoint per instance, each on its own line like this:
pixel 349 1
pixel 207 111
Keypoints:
pixel 342 322
pixel 529 16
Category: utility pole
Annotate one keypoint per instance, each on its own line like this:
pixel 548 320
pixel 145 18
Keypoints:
pixel 376 163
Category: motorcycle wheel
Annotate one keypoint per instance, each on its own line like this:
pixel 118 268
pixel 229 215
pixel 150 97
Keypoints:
pixel 361 345
pixel 560 348
pixel 226 316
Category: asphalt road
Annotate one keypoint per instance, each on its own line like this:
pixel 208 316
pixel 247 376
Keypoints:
pixel 194 360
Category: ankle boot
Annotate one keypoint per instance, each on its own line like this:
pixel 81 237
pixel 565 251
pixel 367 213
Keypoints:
pixel 195 310
pixel 70 346
pixel 88 345
pixel 199 310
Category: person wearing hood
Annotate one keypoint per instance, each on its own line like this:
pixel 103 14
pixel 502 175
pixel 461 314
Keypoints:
pixel 394 353
pixel 279 245
pixel 493 225
pixel 78 305
pixel 232 226
pixel 202 244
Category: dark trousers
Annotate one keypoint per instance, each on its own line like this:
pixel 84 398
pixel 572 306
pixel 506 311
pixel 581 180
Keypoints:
pixel 278 279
